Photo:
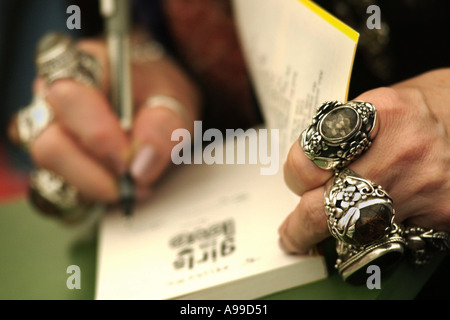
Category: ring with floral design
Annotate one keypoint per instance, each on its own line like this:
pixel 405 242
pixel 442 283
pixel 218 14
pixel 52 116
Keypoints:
pixel 359 212
pixel 339 133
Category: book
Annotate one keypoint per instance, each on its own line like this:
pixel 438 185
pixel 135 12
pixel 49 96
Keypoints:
pixel 210 231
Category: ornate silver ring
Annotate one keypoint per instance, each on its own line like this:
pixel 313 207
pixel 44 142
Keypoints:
pixel 32 120
pixel 54 197
pixel 361 217
pixel 419 245
pixel 57 57
pixel 339 133
pixel 384 253
pixel 359 212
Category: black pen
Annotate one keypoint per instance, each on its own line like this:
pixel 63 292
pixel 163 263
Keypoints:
pixel 116 14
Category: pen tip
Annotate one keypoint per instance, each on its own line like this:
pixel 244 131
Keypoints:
pixel 127 196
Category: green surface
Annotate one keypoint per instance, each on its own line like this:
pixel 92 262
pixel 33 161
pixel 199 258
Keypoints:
pixel 36 251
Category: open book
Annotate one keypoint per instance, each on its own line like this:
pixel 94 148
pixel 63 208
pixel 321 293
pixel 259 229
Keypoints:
pixel 210 232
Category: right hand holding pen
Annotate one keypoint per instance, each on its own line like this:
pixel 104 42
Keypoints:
pixel 85 143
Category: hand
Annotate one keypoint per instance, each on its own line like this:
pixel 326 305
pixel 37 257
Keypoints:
pixel 85 143
pixel 409 158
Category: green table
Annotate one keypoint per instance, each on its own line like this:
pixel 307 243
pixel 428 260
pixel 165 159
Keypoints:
pixel 35 253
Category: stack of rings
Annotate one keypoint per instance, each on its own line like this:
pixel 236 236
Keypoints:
pixel 57 57
pixel 360 213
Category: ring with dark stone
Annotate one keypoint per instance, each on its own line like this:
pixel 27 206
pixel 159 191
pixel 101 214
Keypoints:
pixel 359 212
pixel 418 245
pixel 352 261
pixel 339 133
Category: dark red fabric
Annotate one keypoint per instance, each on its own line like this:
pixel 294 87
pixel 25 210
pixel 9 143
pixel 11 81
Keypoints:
pixel 13 183
pixel 205 35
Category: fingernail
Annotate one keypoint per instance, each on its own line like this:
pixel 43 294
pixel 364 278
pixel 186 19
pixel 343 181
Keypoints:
pixel 143 163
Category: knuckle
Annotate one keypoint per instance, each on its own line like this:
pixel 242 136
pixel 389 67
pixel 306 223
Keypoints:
pixel 60 89
pixel 44 149
pixel 415 150
pixel 434 178
pixel 292 167
pixel 97 137
pixel 314 215
pixel 295 173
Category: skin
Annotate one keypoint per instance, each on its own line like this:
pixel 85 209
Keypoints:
pixel 409 158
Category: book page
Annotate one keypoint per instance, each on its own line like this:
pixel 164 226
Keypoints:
pixel 299 56
pixel 205 227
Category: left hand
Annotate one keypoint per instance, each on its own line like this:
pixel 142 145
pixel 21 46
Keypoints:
pixel 409 158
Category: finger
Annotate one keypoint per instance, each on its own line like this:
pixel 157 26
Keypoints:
pixel 306 226
pixel 87 116
pixel 164 77
pixel 152 134
pixel 56 151
pixel 13 132
pixel 157 120
pixel 301 174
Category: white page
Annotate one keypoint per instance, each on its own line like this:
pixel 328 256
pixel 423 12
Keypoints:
pixel 298 59
pixel 137 260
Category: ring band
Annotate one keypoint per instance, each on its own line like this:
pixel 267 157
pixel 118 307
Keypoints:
pixel 57 57
pixel 163 101
pixel 32 120
pixel 419 245
pixel 147 51
pixel 352 260
pixel 339 133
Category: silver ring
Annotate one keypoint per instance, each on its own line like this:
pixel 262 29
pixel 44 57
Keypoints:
pixel 352 260
pixel 359 212
pixel 339 133
pixel 54 197
pixel 163 101
pixel 418 245
pixel 32 120
pixel 148 51
pixel 57 57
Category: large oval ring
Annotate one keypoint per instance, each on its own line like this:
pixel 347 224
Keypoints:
pixel 32 120
pixel 57 57
pixel 339 133
pixel 359 212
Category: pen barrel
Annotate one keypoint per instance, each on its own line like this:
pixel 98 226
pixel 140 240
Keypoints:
pixel 117 24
